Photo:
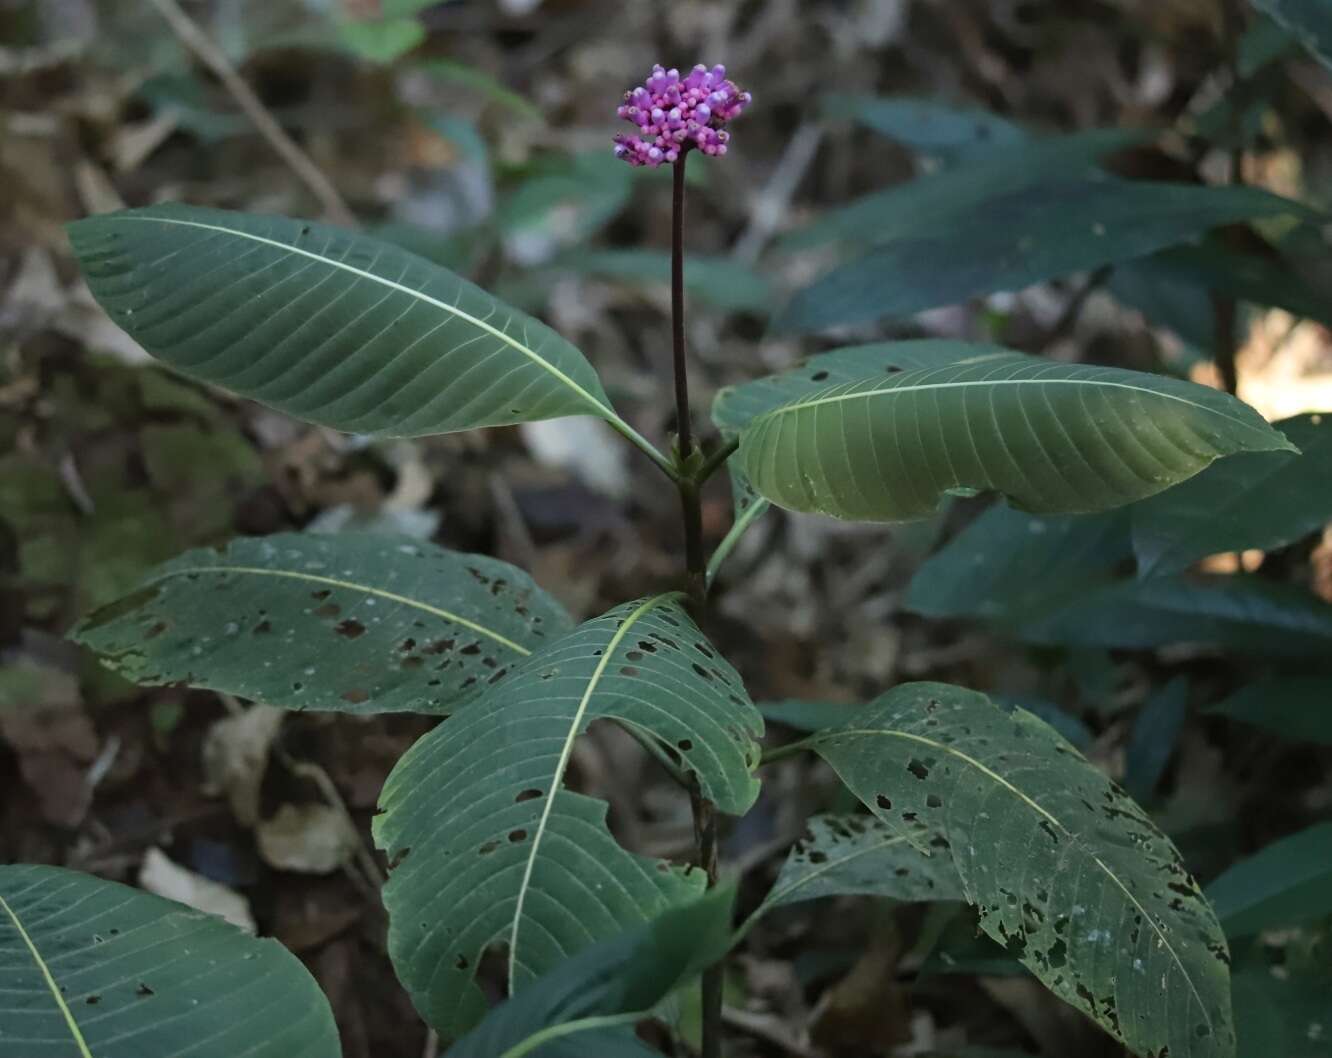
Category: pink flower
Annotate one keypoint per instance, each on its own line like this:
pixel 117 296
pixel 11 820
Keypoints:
pixel 676 114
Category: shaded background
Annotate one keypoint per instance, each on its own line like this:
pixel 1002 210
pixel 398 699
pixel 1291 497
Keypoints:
pixel 477 134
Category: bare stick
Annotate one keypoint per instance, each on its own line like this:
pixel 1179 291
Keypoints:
pixel 297 160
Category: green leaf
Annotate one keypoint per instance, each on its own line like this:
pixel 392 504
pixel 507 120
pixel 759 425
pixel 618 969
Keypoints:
pixel 719 281
pixel 1011 239
pixel 492 848
pixel 1260 500
pixel 1286 884
pixel 1237 612
pixel 93 968
pixel 1294 707
pixel 617 981
pixel 1008 563
pixel 735 407
pixel 1310 21
pixel 1282 1014
pixel 1054 438
pixel 331 327
pixel 380 40
pixel 899 210
pixel 856 855
pixel 482 83
pixel 927 125
pixel 1154 736
pixel 358 623
pixel 1068 873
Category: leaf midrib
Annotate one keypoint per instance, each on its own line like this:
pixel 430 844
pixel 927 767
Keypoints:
pixel 314 578
pixel 74 1029
pixel 531 354
pixel 1054 821
pixel 557 778
pixel 922 387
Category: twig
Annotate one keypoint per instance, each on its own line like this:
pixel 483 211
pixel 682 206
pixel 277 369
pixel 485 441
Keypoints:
pixel 297 160
pixel 307 769
pixel 768 1028
pixel 1068 319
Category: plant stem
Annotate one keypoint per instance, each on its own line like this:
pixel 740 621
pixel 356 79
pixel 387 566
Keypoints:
pixel 689 478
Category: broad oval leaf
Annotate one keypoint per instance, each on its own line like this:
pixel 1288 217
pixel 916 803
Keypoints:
pixel 490 846
pixel 1054 438
pixel 1067 872
pixel 94 968
pixel 328 326
pixel 358 622
pixel 1287 883
pixel 617 981
pixel 854 855
pixel 1260 500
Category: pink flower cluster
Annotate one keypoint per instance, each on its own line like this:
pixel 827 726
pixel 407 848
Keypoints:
pixel 675 114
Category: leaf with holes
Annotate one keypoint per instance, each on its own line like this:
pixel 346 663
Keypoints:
pixel 570 1012
pixel 859 856
pixel 360 623
pixel 1260 500
pixel 1067 872
pixel 328 326
pixel 1054 438
pixel 95 968
pixel 490 847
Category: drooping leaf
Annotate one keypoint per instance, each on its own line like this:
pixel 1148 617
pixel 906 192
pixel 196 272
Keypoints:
pixel 1011 239
pixel 94 968
pixel 927 125
pixel 1259 500
pixel 1067 872
pixel 1294 707
pixel 898 211
pixel 360 623
pixel 1310 21
pixel 1287 883
pixel 1008 563
pixel 1054 438
pixel 855 855
pixel 564 1014
pixel 328 326
pixel 1154 736
pixel 1243 613
pixel 735 407
pixel 492 848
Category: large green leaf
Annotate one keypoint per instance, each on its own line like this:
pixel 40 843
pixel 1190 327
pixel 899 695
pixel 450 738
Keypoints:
pixel 928 125
pixel 94 969
pixel 615 982
pixel 1286 884
pixel 1067 872
pixel 1259 500
pixel 1008 563
pixel 1310 21
pixel 1244 613
pixel 735 407
pixel 846 855
pixel 1054 438
pixel 1009 239
pixel 332 327
pixel 1295 707
pixel 492 847
pixel 361 623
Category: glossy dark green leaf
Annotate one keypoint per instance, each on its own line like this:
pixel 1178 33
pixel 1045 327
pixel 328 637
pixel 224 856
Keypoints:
pixel 898 211
pixel 491 847
pixel 1309 21
pixel 1068 873
pixel 360 623
pixel 928 126
pixel 858 855
pixel 328 326
pixel 1013 238
pixel 1242 613
pixel 1008 563
pixel 1256 500
pixel 565 1014
pixel 736 406
pixel 94 969
pixel 1154 736
pixel 1287 883
pixel 1055 438
pixel 1294 707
